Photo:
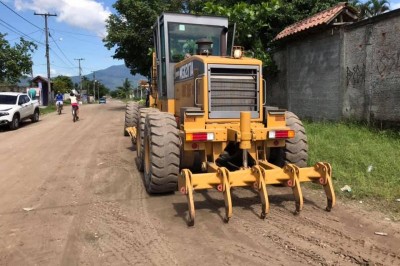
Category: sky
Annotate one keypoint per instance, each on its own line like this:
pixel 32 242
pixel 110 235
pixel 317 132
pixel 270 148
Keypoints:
pixel 76 32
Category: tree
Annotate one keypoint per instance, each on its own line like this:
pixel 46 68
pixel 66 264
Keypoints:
pixel 370 8
pixel 125 90
pixel 114 94
pixel 62 84
pixel 103 90
pixel 376 7
pixel 257 21
pixel 15 62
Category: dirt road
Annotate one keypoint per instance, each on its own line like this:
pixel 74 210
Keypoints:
pixel 85 205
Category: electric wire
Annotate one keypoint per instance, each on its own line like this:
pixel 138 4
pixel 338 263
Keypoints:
pixel 27 34
pixel 20 15
pixel 69 61
pixel 18 32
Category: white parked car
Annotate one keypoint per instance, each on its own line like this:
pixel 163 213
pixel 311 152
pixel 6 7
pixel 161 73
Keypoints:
pixel 15 107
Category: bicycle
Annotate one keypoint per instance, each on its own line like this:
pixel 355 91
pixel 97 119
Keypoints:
pixel 75 116
pixel 59 108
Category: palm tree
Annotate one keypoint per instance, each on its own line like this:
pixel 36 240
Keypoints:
pixel 370 8
pixel 124 91
pixel 361 7
pixel 376 7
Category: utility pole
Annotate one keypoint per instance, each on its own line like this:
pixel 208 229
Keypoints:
pixel 94 86
pixel 47 50
pixel 80 73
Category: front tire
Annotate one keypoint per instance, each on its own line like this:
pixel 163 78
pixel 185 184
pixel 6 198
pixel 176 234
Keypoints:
pixel 161 152
pixel 14 122
pixel 35 117
pixel 131 116
pixel 140 136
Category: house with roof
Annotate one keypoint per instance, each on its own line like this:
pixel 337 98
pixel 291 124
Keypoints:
pixel 331 66
pixel 41 86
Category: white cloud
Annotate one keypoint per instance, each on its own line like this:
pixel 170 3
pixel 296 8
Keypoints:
pixel 395 6
pixel 53 72
pixel 85 14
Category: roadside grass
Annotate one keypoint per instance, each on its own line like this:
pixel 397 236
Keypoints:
pixel 366 159
pixel 52 108
pixel 140 101
pixel 48 109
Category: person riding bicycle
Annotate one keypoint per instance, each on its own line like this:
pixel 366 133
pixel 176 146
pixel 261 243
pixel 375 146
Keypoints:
pixel 74 103
pixel 59 99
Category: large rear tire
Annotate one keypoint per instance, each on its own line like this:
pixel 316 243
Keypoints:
pixel 131 116
pixel 142 113
pixel 296 149
pixel 162 153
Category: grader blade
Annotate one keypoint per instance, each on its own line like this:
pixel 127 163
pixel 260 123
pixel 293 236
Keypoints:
pixel 258 177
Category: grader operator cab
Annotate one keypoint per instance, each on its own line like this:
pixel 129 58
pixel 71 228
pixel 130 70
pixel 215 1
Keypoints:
pixel 208 127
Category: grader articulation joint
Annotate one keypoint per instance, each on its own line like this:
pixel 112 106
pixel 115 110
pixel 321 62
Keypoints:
pixel 208 127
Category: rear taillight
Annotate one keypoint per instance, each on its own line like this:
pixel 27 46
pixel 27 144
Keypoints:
pixel 202 136
pixel 281 134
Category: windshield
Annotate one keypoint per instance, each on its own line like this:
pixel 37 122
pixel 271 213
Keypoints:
pixel 8 99
pixel 183 37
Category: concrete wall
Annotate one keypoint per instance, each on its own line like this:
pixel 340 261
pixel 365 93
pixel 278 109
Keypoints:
pixel 308 79
pixel 372 61
pixel 349 72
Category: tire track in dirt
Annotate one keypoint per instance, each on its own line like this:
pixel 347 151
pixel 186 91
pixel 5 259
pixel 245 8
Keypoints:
pixel 315 239
pixel 117 227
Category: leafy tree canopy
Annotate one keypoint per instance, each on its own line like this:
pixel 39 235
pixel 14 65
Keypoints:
pixel 257 23
pixel 15 61
pixel 62 84
pixel 125 90
pixel 370 8
pixel 90 86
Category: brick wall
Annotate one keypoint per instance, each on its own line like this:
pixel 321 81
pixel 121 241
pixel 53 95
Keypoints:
pixel 352 72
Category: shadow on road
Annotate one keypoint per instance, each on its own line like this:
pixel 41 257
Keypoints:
pixel 117 109
pixel 6 128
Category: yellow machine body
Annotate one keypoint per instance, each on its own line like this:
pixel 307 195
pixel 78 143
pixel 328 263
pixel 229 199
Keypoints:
pixel 218 104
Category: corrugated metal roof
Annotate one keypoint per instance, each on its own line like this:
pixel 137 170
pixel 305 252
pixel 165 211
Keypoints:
pixel 321 18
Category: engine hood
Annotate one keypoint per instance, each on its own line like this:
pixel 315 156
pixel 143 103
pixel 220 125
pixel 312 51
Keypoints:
pixel 6 107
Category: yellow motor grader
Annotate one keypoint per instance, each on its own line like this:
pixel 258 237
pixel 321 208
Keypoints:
pixel 207 125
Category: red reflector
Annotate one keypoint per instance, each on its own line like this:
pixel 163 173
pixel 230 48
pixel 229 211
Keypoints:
pixel 199 136
pixel 284 134
pixel 281 134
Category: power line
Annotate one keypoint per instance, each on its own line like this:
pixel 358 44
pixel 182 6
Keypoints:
pixel 59 57
pixel 69 61
pixel 95 42
pixel 27 34
pixel 74 33
pixel 18 32
pixel 19 15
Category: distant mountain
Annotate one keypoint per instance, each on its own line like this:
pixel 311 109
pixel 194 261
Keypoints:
pixel 113 77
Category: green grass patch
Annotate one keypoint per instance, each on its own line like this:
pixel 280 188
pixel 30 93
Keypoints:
pixel 365 159
pixel 48 109
pixel 52 107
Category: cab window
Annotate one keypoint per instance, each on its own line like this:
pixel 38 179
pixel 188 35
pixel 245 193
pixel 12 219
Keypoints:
pixel 183 38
